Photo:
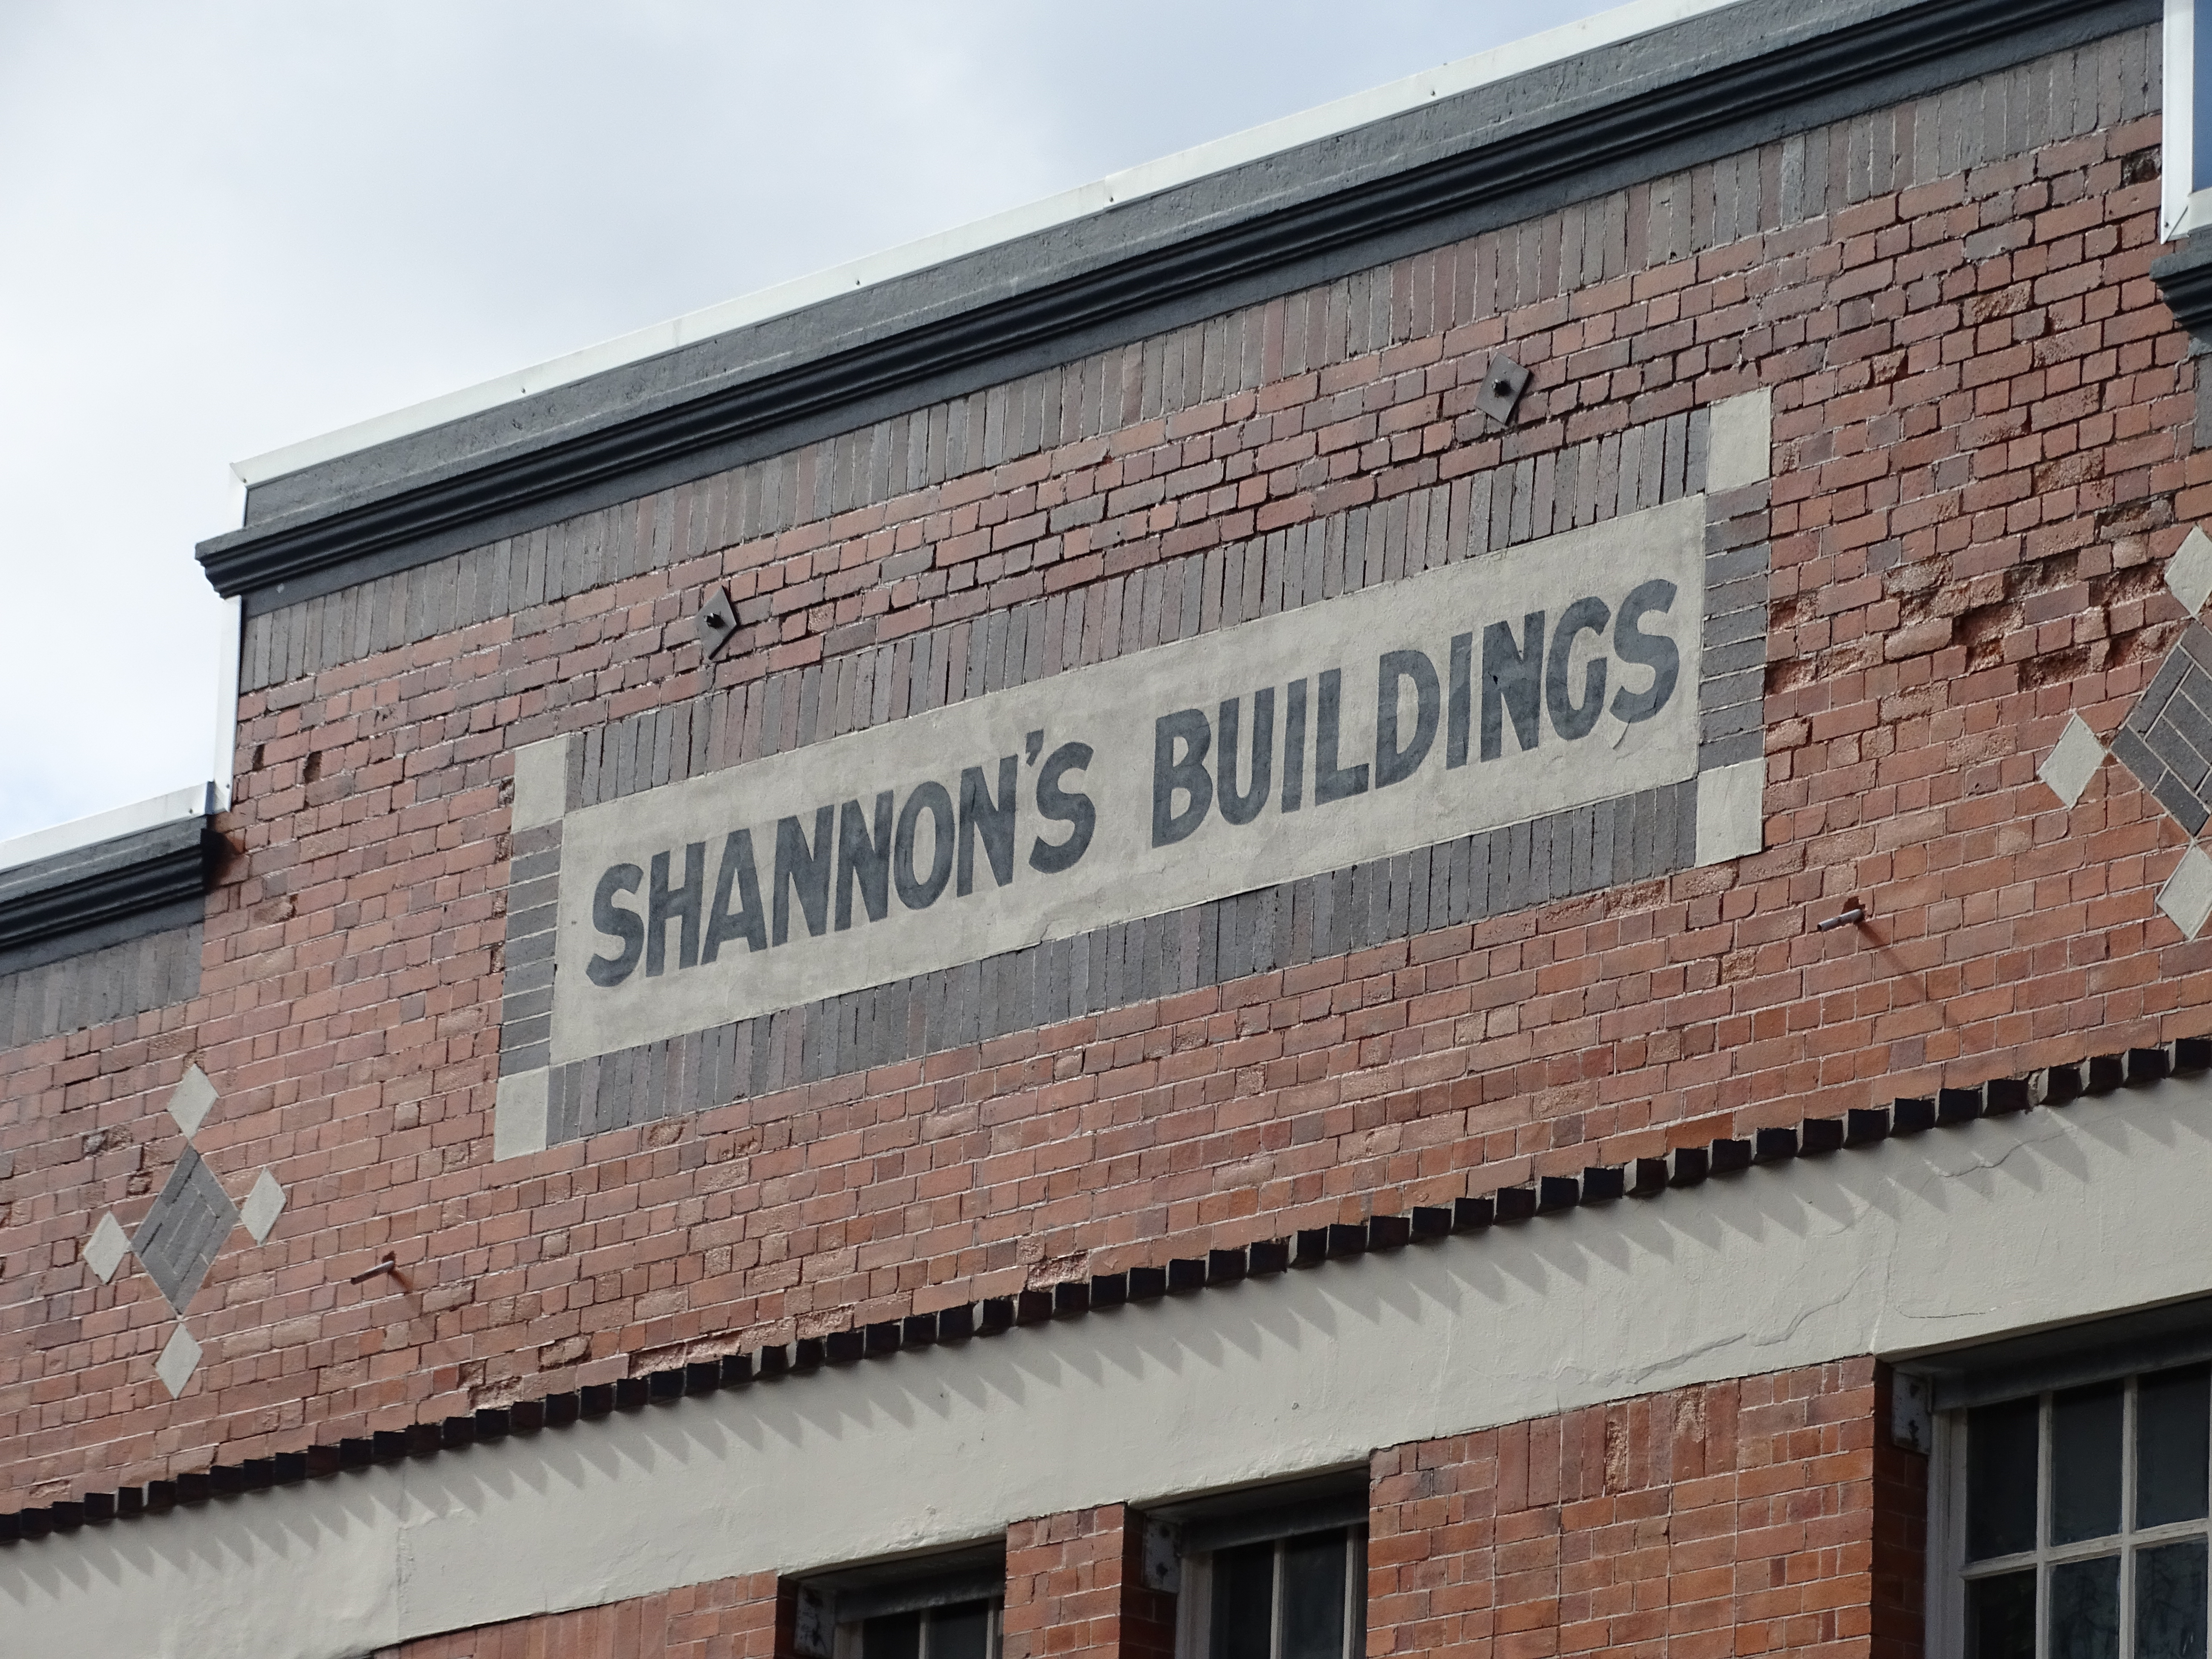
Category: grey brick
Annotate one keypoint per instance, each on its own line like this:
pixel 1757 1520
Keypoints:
pixel 2162 685
pixel 179 1238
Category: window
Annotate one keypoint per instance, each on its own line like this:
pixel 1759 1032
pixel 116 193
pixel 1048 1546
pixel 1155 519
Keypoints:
pixel 2185 166
pixel 944 1607
pixel 1278 1574
pixel 959 1630
pixel 1289 1598
pixel 2084 1528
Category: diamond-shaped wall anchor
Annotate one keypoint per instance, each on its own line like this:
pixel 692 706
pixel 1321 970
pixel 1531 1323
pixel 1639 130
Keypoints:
pixel 1503 383
pixel 190 1100
pixel 180 1357
pixel 718 622
pixel 105 1250
pixel 262 1206
pixel 2189 572
pixel 2070 765
pixel 2186 898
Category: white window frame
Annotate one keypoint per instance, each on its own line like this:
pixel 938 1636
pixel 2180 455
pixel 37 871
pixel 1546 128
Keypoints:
pixel 1950 1572
pixel 2185 200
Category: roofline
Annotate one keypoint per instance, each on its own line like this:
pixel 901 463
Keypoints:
pixel 1130 184
pixel 1716 83
pixel 196 802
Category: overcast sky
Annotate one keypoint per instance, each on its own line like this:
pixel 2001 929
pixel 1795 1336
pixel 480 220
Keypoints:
pixel 225 227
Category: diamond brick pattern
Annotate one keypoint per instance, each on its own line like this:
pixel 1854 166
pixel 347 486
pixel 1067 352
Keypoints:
pixel 181 1235
pixel 2166 739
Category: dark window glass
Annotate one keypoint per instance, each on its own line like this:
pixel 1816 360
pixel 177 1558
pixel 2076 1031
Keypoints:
pixel 961 1631
pixel 2170 1601
pixel 2001 1456
pixel 2172 1411
pixel 892 1635
pixel 2085 1462
pixel 2085 1609
pixel 2001 1617
pixel 1313 1596
pixel 1243 1602
pixel 2202 84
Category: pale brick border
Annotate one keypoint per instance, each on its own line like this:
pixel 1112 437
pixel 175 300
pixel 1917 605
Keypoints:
pixel 1561 855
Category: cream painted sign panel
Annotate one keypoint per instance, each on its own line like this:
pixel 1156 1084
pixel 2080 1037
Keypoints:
pixel 1488 692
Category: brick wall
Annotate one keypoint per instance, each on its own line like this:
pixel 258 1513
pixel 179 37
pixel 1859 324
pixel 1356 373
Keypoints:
pixel 1982 411
pixel 1075 1586
pixel 1753 1516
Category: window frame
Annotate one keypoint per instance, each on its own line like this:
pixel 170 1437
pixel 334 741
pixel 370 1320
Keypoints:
pixel 1951 1572
pixel 1204 1528
pixel 848 1632
pixel 1195 1608
pixel 2185 201
pixel 837 1605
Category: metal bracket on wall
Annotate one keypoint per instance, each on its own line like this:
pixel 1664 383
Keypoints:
pixel 1911 1413
pixel 1503 383
pixel 718 622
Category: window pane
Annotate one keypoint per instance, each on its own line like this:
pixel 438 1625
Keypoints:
pixel 2085 1456
pixel 2085 1609
pixel 1356 1640
pixel 2001 1616
pixel 893 1636
pixel 2171 1411
pixel 1313 1596
pixel 2001 1479
pixel 961 1631
pixel 2201 104
pixel 2170 1601
pixel 1243 1602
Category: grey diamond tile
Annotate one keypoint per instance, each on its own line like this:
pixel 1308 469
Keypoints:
pixel 180 1357
pixel 2167 739
pixel 2152 703
pixel 2185 713
pixel 181 1235
pixel 2188 811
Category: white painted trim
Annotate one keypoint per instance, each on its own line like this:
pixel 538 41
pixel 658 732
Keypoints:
pixel 1731 811
pixel 541 783
pixel 226 703
pixel 2178 196
pixel 196 802
pixel 1944 1595
pixel 519 1121
pixel 2196 214
pixel 1740 444
pixel 2003 1226
pixel 1586 34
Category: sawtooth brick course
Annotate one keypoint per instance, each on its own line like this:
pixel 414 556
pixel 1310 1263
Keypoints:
pixel 1982 452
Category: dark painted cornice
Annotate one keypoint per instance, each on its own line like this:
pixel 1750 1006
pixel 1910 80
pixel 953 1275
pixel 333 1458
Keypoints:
pixel 89 889
pixel 1709 86
pixel 2185 282
pixel 1645 1178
